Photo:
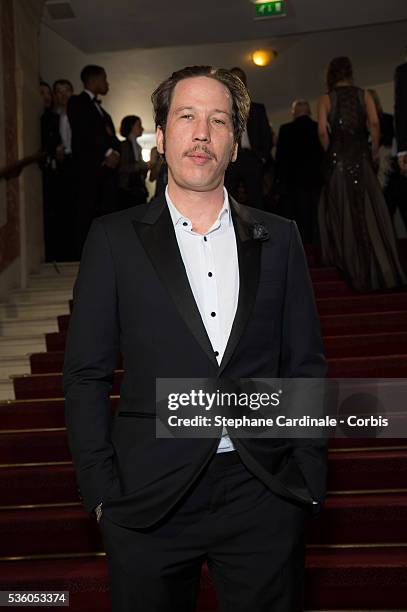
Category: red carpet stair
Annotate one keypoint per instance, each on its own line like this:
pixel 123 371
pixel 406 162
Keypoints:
pixel 357 549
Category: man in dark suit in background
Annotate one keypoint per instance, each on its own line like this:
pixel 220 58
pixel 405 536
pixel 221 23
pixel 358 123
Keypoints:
pixel 193 285
pixel 95 151
pixel 253 155
pixel 298 179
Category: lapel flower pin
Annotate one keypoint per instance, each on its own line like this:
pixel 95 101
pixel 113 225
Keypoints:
pixel 259 232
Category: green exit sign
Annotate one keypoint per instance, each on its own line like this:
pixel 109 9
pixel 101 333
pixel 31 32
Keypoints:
pixel 274 8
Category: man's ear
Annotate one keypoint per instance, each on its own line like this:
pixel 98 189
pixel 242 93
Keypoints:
pixel 159 136
pixel 234 152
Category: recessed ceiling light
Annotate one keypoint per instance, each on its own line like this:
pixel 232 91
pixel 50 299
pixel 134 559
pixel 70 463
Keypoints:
pixel 263 57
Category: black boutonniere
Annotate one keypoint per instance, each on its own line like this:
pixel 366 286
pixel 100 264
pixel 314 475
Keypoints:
pixel 259 232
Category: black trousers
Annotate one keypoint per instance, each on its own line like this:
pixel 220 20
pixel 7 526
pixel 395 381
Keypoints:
pixel 253 542
pixel 96 195
pixel 301 204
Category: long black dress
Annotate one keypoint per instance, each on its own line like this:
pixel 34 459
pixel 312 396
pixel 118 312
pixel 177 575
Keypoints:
pixel 355 228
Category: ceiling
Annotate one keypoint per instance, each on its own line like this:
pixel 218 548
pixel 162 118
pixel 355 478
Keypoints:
pixel 103 26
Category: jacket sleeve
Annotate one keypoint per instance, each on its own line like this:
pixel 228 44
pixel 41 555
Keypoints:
pixel 91 356
pixel 303 357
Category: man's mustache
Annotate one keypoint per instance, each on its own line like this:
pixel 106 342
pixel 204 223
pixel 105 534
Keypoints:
pixel 200 149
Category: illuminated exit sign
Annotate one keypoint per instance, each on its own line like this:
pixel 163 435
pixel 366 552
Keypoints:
pixel 273 8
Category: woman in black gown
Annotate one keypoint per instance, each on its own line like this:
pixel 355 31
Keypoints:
pixel 356 231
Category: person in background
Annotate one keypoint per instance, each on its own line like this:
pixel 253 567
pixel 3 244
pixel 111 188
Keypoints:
pixel 52 147
pixel 298 180
pixel 246 174
pixel 132 168
pixel 63 90
pixel 356 231
pixel 95 152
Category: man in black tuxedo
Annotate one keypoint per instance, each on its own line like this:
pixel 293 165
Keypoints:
pixel 254 153
pixel 193 285
pixel 298 178
pixel 95 151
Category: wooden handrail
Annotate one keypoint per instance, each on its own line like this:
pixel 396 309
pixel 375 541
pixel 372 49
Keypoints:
pixel 13 170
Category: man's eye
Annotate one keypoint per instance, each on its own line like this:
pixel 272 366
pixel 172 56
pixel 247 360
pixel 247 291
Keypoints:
pixel 186 116
pixel 219 121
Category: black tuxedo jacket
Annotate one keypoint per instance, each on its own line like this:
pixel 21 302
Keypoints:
pixel 299 156
pixel 400 109
pixel 259 131
pixel 92 133
pixel 132 294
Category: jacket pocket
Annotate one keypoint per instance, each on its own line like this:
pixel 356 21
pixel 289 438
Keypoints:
pixel 136 413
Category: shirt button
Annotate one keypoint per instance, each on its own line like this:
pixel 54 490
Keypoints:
pixel 210 274
pixel 213 314
pixel 205 238
pixel 185 224
pixel 216 353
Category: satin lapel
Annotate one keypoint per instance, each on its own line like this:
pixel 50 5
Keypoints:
pixel 156 233
pixel 249 253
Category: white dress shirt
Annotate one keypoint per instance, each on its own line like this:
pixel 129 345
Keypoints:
pixel 65 131
pixel 212 268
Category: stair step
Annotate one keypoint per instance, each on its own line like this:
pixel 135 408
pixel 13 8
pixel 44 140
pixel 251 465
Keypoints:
pixel 324 274
pixel 53 361
pixel 363 323
pixel 384 366
pixel 362 303
pixel 55 341
pixel 39 296
pixel 27 327
pixel 10 311
pixel 34 414
pixel 50 385
pixel 370 578
pixel 51 283
pixel 6 389
pixel 19 345
pixel 331 288
pixel 360 519
pixel 34 446
pixel 366 345
pixel 15 364
pixel 64 267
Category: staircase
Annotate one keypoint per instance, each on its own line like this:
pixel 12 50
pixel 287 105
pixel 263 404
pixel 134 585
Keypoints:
pixel 357 548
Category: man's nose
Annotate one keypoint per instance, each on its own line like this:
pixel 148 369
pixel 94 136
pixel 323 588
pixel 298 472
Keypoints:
pixel 201 131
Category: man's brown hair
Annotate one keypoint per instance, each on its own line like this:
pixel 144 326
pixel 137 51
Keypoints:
pixel 161 97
